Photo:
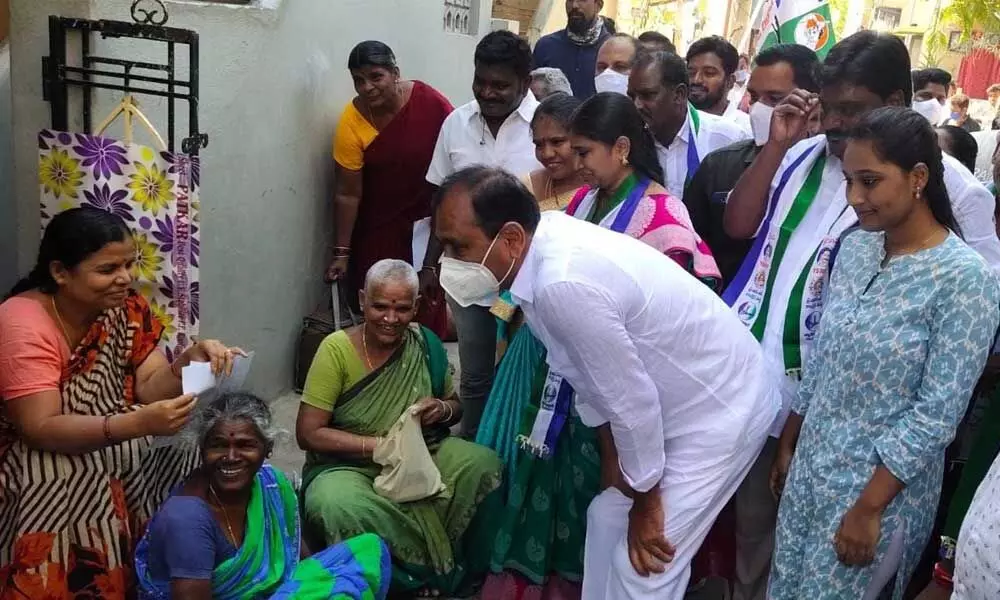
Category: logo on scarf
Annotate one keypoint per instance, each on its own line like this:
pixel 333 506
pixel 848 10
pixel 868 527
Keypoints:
pixel 812 321
pixel 747 311
pixel 551 391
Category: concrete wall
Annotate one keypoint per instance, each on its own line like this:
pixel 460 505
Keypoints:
pixel 273 82
pixel 8 209
pixel 4 19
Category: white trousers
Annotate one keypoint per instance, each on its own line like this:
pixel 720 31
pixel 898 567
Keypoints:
pixel 692 499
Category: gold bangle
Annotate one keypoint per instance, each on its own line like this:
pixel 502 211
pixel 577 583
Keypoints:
pixel 364 451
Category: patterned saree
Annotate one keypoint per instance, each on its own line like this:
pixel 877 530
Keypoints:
pixel 68 523
pixel 267 565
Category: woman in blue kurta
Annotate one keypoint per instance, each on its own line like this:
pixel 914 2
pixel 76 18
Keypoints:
pixel 906 332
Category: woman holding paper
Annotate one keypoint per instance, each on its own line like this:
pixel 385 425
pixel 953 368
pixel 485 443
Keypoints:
pixel 361 382
pixel 83 387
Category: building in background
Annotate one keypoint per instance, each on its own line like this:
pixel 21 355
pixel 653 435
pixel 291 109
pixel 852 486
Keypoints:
pixel 929 37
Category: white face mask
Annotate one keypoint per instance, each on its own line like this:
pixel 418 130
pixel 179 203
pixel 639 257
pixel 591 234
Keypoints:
pixel 611 81
pixel 930 109
pixel 760 122
pixel 471 283
pixel 742 76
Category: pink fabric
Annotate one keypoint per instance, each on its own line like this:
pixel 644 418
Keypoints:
pixel 663 222
pixel 32 349
pixel 512 586
pixel 578 197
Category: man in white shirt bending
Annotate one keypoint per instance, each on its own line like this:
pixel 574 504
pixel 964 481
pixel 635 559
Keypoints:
pixel 677 385
pixel 493 130
pixel 684 136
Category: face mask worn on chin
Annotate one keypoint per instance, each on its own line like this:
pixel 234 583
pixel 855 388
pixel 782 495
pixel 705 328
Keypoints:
pixel 611 81
pixel 760 122
pixel 929 109
pixel 471 283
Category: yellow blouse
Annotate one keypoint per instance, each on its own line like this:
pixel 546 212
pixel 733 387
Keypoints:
pixel 556 202
pixel 354 134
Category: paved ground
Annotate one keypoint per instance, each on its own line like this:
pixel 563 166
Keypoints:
pixel 289 458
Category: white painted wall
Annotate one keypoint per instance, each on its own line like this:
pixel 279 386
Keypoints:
pixel 274 81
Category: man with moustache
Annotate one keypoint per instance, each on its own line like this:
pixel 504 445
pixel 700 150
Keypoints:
pixel 793 201
pixel 684 136
pixel 574 49
pixel 493 130
pixel 777 71
pixel 712 64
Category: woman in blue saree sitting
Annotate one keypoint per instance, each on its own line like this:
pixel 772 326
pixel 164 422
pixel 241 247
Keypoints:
pixel 231 531
pixel 552 462
pixel 360 383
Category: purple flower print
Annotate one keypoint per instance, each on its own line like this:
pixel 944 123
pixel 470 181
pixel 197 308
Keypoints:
pixel 114 202
pixel 193 161
pixel 162 231
pixel 167 289
pixel 195 302
pixel 44 139
pixel 103 154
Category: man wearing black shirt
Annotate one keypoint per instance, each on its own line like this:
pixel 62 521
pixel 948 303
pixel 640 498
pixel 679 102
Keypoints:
pixel 777 71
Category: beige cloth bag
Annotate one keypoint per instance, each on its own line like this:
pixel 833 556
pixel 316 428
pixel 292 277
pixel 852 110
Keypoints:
pixel 408 473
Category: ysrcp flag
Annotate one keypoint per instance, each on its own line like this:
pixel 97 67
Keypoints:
pixel 804 22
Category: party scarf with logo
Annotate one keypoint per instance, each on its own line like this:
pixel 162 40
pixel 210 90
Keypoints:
pixel 770 266
pixel 556 392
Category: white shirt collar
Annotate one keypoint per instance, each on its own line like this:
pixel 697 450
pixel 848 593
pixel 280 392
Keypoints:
pixel 685 131
pixel 523 286
pixel 525 110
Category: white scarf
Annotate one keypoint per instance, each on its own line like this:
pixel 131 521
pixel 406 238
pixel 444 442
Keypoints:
pixel 784 300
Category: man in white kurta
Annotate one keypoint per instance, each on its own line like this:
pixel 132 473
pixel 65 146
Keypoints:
pixel 649 350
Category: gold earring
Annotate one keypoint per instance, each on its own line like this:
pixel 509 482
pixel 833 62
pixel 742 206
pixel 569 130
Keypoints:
pixel 624 160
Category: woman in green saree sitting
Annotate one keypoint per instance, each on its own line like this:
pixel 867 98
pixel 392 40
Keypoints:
pixel 231 530
pixel 360 383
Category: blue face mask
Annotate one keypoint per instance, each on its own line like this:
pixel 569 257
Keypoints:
pixel 955 116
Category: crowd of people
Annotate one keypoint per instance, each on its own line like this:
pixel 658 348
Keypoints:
pixel 718 317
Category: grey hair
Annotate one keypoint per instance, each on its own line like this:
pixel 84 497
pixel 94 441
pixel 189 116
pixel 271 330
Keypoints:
pixel 391 269
pixel 234 406
pixel 553 81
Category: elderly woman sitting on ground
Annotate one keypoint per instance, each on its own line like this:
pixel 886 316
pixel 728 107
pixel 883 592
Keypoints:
pixel 231 531
pixel 361 382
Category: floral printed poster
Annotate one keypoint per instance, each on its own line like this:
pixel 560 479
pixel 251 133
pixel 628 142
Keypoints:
pixel 156 193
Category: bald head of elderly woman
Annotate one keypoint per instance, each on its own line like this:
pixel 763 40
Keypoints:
pixel 361 382
pixel 546 81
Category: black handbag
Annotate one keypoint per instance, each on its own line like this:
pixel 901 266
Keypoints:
pixel 332 315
